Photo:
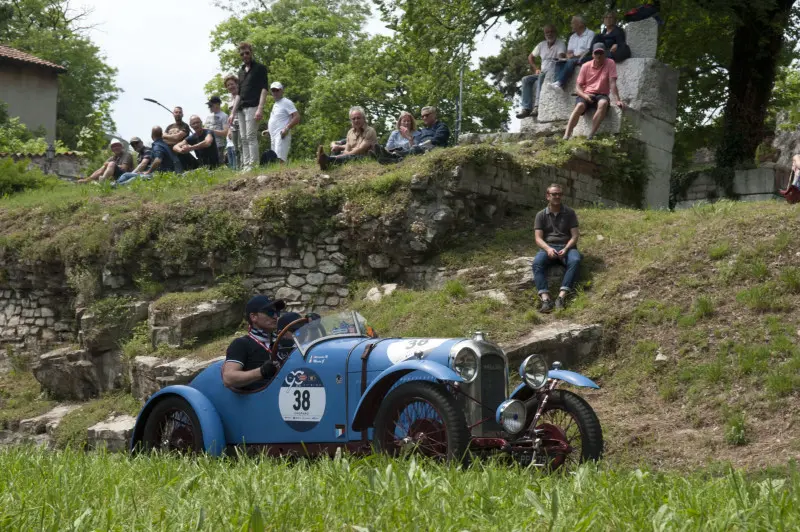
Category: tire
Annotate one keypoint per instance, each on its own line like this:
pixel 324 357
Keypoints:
pixel 423 417
pixel 173 426
pixel 576 424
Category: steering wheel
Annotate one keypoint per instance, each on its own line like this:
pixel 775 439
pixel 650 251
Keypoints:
pixel 276 343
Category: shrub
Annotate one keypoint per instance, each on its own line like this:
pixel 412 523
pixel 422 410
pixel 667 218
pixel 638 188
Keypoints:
pixel 16 177
pixel 703 307
pixel 736 429
pixel 455 289
pixel 790 280
pixel 762 298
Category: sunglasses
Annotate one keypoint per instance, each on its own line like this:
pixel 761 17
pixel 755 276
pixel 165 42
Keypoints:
pixel 556 194
pixel 275 90
pixel 271 312
pixel 242 54
pixel 426 115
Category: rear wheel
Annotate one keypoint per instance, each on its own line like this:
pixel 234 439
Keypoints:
pixel 173 426
pixel 570 431
pixel 421 417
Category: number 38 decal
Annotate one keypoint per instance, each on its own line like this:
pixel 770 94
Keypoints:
pixel 301 399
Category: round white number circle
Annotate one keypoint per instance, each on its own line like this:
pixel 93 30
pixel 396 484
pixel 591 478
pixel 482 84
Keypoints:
pixel 301 399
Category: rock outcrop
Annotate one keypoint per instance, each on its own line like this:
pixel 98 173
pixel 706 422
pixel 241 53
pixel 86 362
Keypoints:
pixel 568 343
pixel 113 434
pixel 150 374
pixel 77 374
pixel 181 326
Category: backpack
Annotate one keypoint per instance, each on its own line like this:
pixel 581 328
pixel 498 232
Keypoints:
pixel 644 11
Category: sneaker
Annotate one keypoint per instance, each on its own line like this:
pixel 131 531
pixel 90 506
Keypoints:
pixel 547 306
pixel 556 85
pixel 322 159
pixel 525 113
pixel 535 111
pixel 560 305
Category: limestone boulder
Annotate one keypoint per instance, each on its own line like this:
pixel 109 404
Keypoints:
pixel 520 274
pixel 376 293
pixel 113 434
pixel 77 374
pixel 181 326
pixel 495 295
pixel 47 422
pixel 98 334
pixel 568 343
pixel 642 37
pixel 150 374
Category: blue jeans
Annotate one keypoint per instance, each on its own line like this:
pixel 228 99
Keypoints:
pixel 541 262
pixel 232 162
pixel 528 102
pixel 565 69
pixel 128 178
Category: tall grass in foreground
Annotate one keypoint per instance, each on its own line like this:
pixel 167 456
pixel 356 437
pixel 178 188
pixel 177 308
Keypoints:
pixel 69 490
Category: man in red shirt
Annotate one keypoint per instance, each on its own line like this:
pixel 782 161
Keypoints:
pixel 598 79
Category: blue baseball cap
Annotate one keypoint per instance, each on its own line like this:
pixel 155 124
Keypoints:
pixel 288 318
pixel 262 303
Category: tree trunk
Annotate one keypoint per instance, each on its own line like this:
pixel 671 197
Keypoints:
pixel 757 44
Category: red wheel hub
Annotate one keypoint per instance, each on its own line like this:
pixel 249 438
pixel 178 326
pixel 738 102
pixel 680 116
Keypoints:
pixel 554 443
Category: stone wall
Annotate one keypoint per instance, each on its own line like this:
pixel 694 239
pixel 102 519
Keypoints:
pixel 64 165
pixel 748 185
pixel 310 270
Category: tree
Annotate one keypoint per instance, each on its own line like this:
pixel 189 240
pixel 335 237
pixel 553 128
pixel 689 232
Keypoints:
pixel 50 29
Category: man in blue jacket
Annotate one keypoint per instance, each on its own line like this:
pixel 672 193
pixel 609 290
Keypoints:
pixel 162 157
pixel 435 134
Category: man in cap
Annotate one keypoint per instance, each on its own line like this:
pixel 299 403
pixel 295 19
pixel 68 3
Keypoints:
pixel 282 119
pixel 201 142
pixel 121 161
pixel 217 123
pixel 596 80
pixel 145 154
pixel 162 159
pixel 249 361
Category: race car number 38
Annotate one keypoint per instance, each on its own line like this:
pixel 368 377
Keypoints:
pixel 302 399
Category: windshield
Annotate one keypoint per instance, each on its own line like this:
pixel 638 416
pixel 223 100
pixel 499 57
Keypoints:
pixel 343 324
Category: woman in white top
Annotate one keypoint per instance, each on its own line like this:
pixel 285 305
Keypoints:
pixel 792 192
pixel 404 137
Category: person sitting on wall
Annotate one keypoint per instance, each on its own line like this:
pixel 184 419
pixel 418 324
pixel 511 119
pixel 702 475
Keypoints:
pixel 359 142
pixel 792 190
pixel 596 79
pixel 121 161
pixel 556 232
pixel 613 37
pixel 548 51
pixel 579 45
pixel 201 142
pixel 163 160
pixel 249 361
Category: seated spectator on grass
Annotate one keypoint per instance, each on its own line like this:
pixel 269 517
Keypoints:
pixel 579 45
pixel 792 190
pixel 435 134
pixel 556 232
pixel 548 51
pixel 121 161
pixel 163 160
pixel 614 38
pixel 597 79
pixel 175 133
pixel 232 146
pixel 405 136
pixel 359 142
pixel 145 154
pixel 217 123
pixel 201 142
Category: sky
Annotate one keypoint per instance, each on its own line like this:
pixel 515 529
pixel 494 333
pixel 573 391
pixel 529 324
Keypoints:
pixel 128 33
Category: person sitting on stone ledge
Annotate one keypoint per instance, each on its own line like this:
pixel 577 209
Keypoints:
pixel 121 161
pixel 359 142
pixel 792 190
pixel 596 80
pixel 579 45
pixel 613 37
pixel 556 232
pixel 548 51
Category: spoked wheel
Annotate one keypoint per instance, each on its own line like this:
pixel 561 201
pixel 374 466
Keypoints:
pixel 570 431
pixel 421 417
pixel 173 426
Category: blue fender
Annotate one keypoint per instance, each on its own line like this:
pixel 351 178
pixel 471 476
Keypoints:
pixel 523 391
pixel 371 400
pixel 210 422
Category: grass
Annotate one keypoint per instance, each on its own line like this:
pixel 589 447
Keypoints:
pixel 21 398
pixel 71 490
pixel 72 429
pixel 230 290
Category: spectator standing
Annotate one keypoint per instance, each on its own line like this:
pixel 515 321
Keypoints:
pixel 282 119
pixel 613 37
pixel 233 146
pixel 359 142
pixel 121 161
pixel 434 134
pixel 163 159
pixel 548 51
pixel 175 133
pixel 201 142
pixel 217 123
pixel 596 80
pixel 556 231
pixel 248 106
pixel 580 44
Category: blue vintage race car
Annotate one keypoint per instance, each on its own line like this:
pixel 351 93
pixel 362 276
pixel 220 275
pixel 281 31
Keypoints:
pixel 343 388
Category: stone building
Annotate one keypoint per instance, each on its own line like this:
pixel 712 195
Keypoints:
pixel 29 86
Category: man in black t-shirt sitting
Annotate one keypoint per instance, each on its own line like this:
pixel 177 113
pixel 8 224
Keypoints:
pixel 202 142
pixel 248 362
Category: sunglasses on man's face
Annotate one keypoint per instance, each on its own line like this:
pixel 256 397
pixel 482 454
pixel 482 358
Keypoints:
pixel 556 194
pixel 242 54
pixel 271 312
pixel 426 115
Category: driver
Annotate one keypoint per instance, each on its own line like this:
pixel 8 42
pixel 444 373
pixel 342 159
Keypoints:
pixel 249 359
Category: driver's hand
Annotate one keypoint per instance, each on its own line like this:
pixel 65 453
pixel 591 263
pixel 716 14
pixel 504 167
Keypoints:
pixel 269 369
pixel 313 316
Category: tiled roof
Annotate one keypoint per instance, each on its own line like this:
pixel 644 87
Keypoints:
pixel 6 52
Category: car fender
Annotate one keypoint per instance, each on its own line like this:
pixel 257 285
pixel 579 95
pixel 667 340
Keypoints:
pixel 210 422
pixel 524 392
pixel 375 392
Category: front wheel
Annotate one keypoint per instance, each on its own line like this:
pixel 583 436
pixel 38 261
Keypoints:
pixel 570 431
pixel 173 426
pixel 422 416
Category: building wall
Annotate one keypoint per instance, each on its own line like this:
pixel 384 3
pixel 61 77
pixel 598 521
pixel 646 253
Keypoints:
pixel 31 94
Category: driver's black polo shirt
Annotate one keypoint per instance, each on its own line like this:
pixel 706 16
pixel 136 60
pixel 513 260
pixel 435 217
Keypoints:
pixel 247 352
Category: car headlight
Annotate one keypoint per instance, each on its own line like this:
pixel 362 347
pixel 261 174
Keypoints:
pixel 511 415
pixel 533 371
pixel 465 364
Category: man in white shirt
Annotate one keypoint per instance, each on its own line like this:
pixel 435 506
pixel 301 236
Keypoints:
pixel 217 123
pixel 548 51
pixel 282 119
pixel 580 44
